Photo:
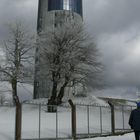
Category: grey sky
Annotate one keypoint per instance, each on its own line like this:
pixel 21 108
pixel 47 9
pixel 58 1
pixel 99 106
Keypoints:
pixel 115 25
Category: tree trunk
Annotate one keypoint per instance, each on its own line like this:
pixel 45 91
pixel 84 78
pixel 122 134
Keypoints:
pixel 14 89
pixel 54 91
pixel 52 100
pixel 18 119
pixel 61 93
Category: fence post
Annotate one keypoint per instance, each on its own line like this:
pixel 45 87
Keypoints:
pixel 123 115
pixel 56 122
pixel 88 120
pixel 101 125
pixel 18 118
pixel 73 119
pixel 112 117
pixel 39 120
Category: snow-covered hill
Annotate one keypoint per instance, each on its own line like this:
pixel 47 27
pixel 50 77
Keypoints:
pixel 25 93
pixel 117 92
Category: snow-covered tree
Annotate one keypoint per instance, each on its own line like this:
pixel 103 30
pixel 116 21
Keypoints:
pixel 69 59
pixel 18 56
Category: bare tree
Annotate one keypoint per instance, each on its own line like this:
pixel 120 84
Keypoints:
pixel 17 51
pixel 70 58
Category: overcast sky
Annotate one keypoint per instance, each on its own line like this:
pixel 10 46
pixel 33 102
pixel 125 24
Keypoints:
pixel 115 25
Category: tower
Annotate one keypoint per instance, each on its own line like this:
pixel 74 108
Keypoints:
pixel 52 13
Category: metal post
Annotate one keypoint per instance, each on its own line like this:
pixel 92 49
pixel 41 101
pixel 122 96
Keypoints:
pixel 73 115
pixel 18 118
pixel 39 121
pixel 56 122
pixel 112 117
pixel 88 119
pixel 123 115
pixel 101 118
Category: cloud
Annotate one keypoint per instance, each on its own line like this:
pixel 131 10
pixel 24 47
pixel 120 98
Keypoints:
pixel 116 28
pixel 111 16
pixel 121 54
pixel 24 10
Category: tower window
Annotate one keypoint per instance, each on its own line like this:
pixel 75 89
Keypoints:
pixel 66 5
pixel 55 14
pixel 37 84
pixel 37 49
pixel 55 25
pixel 72 5
pixel 36 59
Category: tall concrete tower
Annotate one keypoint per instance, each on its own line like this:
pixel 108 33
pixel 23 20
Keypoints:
pixel 52 13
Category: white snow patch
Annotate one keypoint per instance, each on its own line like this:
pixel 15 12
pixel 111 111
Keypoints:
pixel 124 137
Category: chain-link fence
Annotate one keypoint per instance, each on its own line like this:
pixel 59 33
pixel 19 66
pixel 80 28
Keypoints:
pixel 122 114
pixel 91 120
pixel 7 122
pixel 38 123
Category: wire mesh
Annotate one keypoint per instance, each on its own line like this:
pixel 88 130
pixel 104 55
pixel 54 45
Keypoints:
pixel 7 122
pixel 91 120
pixel 30 121
pixel 122 114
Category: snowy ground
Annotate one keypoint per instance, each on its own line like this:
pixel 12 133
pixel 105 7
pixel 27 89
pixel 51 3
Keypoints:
pixel 124 137
pixel 48 126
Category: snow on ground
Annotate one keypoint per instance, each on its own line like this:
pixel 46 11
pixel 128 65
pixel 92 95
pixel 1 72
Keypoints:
pixel 124 137
pixel 30 121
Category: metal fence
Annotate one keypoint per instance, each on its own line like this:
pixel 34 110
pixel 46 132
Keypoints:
pixel 91 120
pixel 122 114
pixel 38 123
pixel 7 122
